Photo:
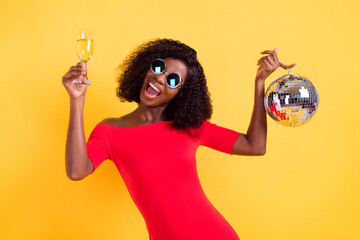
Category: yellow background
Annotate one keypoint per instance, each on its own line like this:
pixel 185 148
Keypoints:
pixel 305 187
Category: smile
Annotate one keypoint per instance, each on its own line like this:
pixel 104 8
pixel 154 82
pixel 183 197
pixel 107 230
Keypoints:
pixel 156 89
pixel 152 91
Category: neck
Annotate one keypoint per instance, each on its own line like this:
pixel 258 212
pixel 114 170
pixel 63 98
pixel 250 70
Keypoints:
pixel 149 114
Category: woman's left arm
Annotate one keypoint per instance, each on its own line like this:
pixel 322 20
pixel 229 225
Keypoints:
pixel 254 142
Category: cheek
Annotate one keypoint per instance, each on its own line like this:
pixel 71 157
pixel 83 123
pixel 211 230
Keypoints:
pixel 147 76
pixel 172 92
pixel 148 73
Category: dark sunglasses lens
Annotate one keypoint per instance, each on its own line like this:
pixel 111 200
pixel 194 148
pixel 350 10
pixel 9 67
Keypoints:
pixel 173 80
pixel 158 66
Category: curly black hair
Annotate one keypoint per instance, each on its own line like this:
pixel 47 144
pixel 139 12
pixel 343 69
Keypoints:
pixel 192 105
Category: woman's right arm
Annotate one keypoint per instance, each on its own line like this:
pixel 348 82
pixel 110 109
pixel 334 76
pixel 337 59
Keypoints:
pixel 78 166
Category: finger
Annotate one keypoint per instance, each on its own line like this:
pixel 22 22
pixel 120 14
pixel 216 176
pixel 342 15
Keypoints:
pixel 271 61
pixel 80 64
pixel 273 52
pixel 276 59
pixel 268 65
pixel 269 51
pixel 286 66
pixel 76 68
pixel 73 67
pixel 260 61
pixel 268 58
pixel 79 69
pixel 69 77
pixel 291 66
pixel 262 58
pixel 77 73
pixel 262 65
pixel 73 74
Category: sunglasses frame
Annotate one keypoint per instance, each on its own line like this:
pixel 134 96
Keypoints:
pixel 166 72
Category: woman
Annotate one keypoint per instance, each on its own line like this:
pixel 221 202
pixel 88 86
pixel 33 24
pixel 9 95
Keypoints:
pixel 154 146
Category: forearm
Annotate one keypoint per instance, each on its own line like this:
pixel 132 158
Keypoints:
pixel 257 130
pixel 76 156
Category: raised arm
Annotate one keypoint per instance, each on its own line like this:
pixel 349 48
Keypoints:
pixel 254 142
pixel 78 166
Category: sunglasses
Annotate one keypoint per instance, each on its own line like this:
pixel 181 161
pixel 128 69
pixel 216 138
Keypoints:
pixel 158 66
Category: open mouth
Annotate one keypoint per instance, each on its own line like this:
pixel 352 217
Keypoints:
pixel 152 91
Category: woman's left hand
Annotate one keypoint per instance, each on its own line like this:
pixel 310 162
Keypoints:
pixel 268 64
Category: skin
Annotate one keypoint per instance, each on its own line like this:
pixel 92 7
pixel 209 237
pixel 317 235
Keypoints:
pixel 151 110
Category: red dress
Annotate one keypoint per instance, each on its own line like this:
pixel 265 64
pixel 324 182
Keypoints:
pixel 158 165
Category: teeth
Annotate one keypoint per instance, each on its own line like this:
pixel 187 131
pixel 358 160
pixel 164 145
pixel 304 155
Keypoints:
pixel 155 88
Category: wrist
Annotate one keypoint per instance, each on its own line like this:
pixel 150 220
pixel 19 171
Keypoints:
pixel 259 82
pixel 77 100
pixel 259 79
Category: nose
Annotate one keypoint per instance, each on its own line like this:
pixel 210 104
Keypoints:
pixel 161 78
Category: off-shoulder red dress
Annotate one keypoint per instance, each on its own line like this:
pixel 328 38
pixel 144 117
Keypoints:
pixel 158 165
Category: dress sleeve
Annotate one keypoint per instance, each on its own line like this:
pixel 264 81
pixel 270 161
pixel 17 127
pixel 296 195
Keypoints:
pixel 97 147
pixel 218 138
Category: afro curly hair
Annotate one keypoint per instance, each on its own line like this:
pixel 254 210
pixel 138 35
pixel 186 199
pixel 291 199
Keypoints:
pixel 192 105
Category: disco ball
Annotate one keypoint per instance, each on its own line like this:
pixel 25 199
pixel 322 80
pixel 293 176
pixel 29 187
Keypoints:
pixel 291 100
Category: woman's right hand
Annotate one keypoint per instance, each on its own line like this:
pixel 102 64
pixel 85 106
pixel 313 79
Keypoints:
pixel 75 90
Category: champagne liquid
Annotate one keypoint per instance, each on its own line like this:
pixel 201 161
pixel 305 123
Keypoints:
pixel 85 48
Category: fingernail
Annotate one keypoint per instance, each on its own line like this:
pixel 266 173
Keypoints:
pixel 276 49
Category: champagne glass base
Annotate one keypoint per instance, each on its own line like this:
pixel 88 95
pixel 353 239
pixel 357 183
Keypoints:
pixel 85 81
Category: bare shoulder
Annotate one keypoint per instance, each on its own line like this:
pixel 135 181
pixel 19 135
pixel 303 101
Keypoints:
pixel 116 122
pixel 108 120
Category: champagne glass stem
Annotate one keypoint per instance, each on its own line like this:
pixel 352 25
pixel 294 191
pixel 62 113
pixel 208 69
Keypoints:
pixel 84 65
pixel 84 80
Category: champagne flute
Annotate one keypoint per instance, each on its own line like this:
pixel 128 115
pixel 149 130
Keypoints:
pixel 84 49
